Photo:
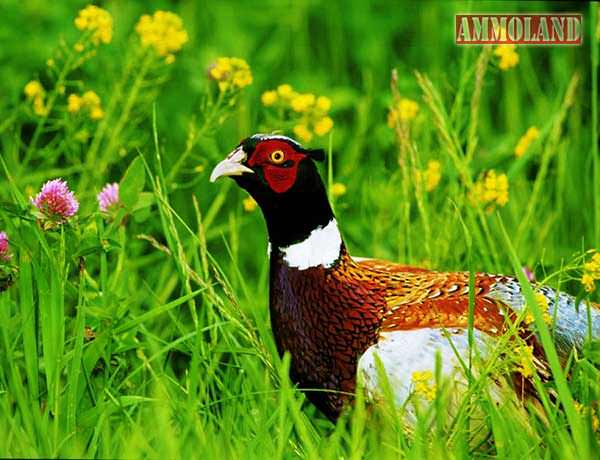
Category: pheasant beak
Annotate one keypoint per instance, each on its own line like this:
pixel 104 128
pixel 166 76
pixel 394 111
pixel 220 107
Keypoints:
pixel 231 166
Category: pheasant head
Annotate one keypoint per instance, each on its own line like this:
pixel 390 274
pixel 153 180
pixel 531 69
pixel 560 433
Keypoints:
pixel 281 175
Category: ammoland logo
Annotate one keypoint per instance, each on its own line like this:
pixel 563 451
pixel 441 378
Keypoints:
pixel 522 29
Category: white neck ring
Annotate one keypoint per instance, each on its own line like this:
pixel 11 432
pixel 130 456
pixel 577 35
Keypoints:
pixel 321 248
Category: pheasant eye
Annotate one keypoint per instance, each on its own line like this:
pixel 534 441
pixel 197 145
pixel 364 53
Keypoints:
pixel 277 157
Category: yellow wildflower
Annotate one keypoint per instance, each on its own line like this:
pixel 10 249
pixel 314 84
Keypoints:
pixel 303 102
pixel 96 113
pixel 593 267
pixel 164 32
pixel 285 91
pixel 591 272
pixel 50 62
pixel 532 134
pixel 307 112
pixel 96 20
pixel 338 189
pixel 432 174
pixel 39 108
pixel 542 302
pixel 249 204
pixel 269 98
pixel 75 103
pixel 302 131
pixel 524 354
pixel 528 318
pixel 34 88
pixel 35 91
pixel 588 282
pixel 221 68
pixel 89 100
pixel 405 110
pixel 508 56
pixel 230 72
pixel 491 189
pixel 422 381
pixel 323 103
pixel 241 72
pixel 79 47
pixel 392 118
pixel 502 190
pixel 323 126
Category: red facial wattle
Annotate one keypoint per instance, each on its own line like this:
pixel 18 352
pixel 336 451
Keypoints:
pixel 280 177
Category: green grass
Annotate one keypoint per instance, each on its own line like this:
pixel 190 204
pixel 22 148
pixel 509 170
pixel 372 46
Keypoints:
pixel 148 335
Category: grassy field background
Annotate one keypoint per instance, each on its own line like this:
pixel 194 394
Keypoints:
pixel 147 335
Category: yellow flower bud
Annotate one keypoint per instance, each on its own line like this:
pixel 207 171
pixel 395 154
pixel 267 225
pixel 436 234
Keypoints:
pixel 98 21
pixel 39 107
pixel 323 103
pixel 34 88
pixel 588 282
pixel 249 204
pixel 407 109
pixel 285 91
pixel 525 140
pixel 302 102
pixel 74 103
pixel 323 126
pixel 338 189
pixel 90 98
pixel 302 131
pixel 433 175
pixel 269 98
pixel 163 32
pixel 96 113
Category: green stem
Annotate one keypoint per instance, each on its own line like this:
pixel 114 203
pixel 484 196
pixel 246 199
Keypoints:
pixel 42 121
pixel 481 68
pixel 330 172
pixel 124 118
pixel 76 361
pixel 208 121
pixel 27 305
pixel 549 151
pixel 103 266
pixel 103 126
pixel 594 26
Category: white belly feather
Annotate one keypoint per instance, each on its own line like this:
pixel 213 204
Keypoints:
pixel 408 361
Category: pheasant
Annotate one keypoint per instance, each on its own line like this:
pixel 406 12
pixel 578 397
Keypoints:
pixel 345 319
